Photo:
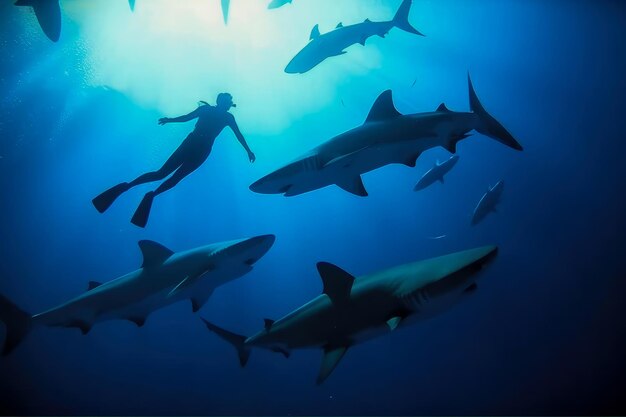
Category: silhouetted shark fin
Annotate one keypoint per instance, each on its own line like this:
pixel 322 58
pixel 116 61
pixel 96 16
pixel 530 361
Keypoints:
pixel 339 25
pixel 138 320
pixel 225 7
pixel 332 356
pixel 48 14
pixel 401 19
pixel 315 32
pixel 354 186
pixel 234 339
pixel 197 301
pixel 383 108
pixel 80 324
pixel 92 285
pixel 17 322
pixel 442 108
pixel 131 3
pixel 337 282
pixel 268 323
pixel 153 253
pixel 394 322
pixel 411 161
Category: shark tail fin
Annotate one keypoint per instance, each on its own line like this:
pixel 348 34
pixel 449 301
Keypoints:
pixel 238 341
pixel 487 125
pixel 18 324
pixel 401 19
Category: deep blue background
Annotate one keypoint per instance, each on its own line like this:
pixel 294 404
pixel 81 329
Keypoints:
pixel 545 333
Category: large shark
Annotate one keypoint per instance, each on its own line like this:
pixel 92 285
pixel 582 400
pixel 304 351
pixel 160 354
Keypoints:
pixel 386 137
pixel 164 278
pixel 333 43
pixel 488 202
pixel 436 173
pixel 353 310
pixel 48 14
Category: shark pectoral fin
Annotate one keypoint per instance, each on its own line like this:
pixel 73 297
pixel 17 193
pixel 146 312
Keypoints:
pixel 82 325
pixel 354 186
pixel 337 282
pixel 138 320
pixel 285 352
pixel 153 253
pixel 332 356
pixel 315 32
pixel 394 322
pixel 268 324
pixel 383 108
pixel 197 301
pixel 92 285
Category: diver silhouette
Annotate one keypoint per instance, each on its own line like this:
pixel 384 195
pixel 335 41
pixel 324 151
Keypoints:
pixel 189 156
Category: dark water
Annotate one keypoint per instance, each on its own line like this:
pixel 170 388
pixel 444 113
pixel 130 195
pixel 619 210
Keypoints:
pixel 544 334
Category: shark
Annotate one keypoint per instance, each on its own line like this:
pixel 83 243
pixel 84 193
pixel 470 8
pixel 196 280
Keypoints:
pixel 352 310
pixel 164 278
pixel 436 173
pixel 386 137
pixel 488 202
pixel 48 13
pixel 275 4
pixel 334 43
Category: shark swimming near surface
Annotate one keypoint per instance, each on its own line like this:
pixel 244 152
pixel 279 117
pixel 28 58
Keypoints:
pixel 275 4
pixel 436 173
pixel 386 137
pixel 353 310
pixel 165 277
pixel 334 43
pixel 48 13
pixel 488 202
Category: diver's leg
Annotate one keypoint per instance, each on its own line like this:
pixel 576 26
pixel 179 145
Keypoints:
pixel 103 201
pixel 140 218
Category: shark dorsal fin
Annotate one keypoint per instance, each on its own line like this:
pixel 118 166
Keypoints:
pixel 92 285
pixel 442 108
pixel 131 3
pixel 268 323
pixel 337 282
pixel 339 25
pixel 315 32
pixel 383 108
pixel 153 253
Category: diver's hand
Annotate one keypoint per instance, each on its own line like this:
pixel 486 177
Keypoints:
pixel 164 121
pixel 251 156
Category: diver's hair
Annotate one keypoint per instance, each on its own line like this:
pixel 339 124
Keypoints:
pixel 202 103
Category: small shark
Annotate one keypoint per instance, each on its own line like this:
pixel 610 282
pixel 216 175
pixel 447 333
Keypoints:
pixel 353 310
pixel 386 137
pixel 488 202
pixel 436 173
pixel 333 43
pixel 275 4
pixel 48 14
pixel 164 278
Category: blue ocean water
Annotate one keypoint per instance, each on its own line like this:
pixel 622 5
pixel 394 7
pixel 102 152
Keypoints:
pixel 545 332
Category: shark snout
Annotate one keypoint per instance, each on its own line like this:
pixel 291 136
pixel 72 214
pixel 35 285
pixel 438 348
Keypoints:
pixel 250 250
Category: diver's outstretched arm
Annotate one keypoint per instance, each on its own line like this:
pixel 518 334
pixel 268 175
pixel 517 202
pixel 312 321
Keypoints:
pixel 233 125
pixel 180 119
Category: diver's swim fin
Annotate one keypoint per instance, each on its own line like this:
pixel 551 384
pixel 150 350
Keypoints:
pixel 140 218
pixel 104 200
